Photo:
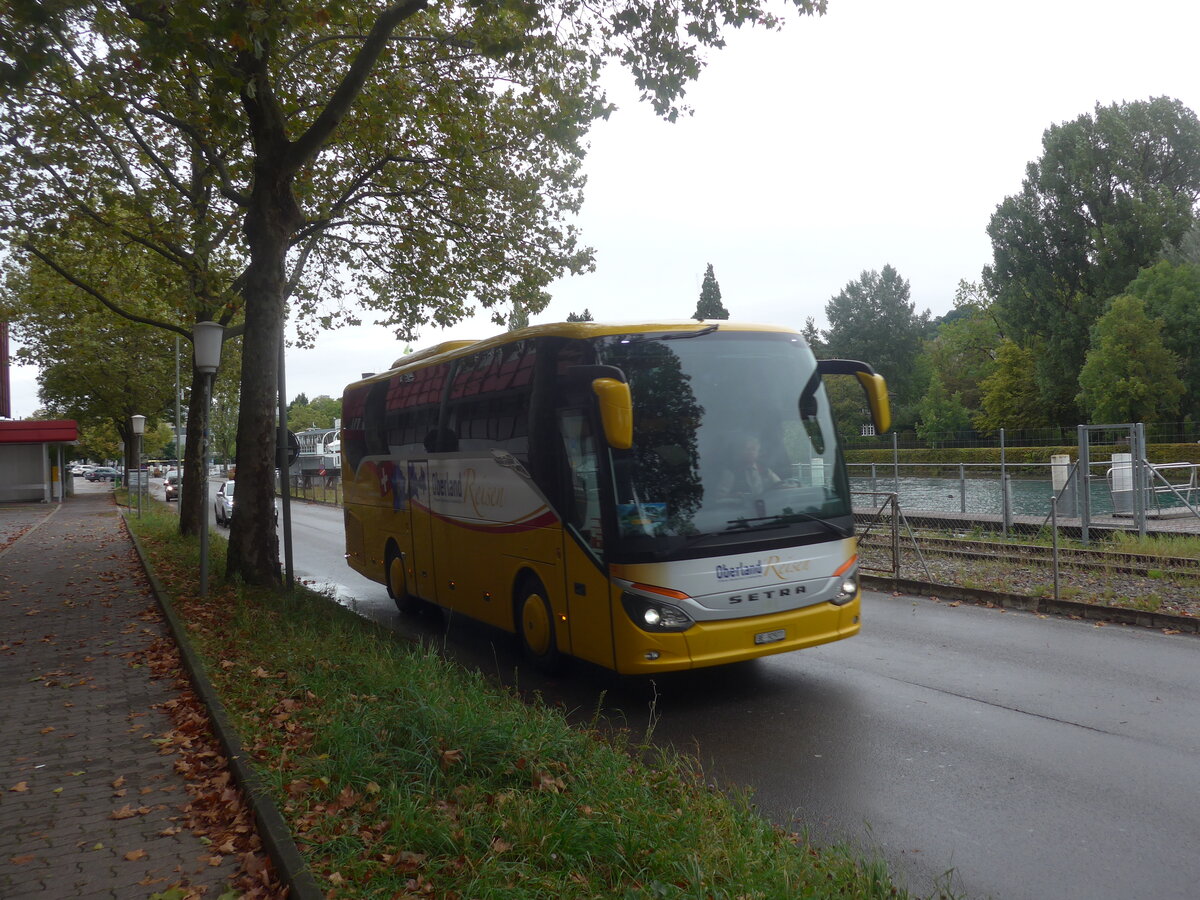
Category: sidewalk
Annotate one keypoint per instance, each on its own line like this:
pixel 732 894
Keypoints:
pixel 91 802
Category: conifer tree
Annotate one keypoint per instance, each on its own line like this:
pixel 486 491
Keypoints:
pixel 710 306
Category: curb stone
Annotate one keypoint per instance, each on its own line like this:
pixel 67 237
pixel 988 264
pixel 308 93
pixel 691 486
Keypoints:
pixel 273 830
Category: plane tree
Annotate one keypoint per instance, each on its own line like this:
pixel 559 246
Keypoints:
pixel 417 161
pixel 1110 191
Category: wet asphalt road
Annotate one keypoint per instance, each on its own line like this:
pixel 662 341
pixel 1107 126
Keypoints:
pixel 999 753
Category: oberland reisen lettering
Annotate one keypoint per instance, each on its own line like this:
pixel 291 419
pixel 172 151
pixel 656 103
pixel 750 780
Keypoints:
pixel 741 570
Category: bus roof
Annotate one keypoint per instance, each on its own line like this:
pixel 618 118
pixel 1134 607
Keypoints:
pixel 582 330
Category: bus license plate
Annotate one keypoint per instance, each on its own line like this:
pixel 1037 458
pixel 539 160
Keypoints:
pixel 770 637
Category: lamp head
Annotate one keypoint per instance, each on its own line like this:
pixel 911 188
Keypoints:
pixel 206 345
pixel 139 424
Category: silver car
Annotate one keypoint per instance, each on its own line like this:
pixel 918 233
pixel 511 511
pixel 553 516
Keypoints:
pixel 223 504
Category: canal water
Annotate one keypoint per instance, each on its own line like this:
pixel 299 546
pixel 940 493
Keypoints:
pixel 1028 496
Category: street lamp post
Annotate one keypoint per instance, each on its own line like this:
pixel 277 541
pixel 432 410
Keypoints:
pixel 206 345
pixel 139 428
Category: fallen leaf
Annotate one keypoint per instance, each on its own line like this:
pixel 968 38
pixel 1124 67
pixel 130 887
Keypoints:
pixel 21 860
pixel 20 787
pixel 135 855
pixel 449 758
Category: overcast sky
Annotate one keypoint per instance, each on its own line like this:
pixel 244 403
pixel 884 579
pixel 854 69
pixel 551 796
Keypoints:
pixel 882 133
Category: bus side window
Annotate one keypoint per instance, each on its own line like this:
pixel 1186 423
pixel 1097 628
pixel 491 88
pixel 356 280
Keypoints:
pixel 583 494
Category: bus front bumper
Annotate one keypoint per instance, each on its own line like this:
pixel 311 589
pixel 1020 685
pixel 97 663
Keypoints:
pixel 733 640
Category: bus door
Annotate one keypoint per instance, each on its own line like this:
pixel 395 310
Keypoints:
pixel 420 505
pixel 586 587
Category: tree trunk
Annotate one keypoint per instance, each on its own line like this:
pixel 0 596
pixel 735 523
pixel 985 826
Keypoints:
pixel 253 539
pixel 192 494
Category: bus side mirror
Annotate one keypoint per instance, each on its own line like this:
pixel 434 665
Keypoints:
pixel 616 411
pixel 872 383
pixel 877 396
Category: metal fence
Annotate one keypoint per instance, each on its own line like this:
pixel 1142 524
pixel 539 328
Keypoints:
pixel 1037 532
pixel 319 489
pixel 1156 433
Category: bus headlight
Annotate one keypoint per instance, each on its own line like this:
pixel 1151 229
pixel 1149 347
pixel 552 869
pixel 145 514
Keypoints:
pixel 653 614
pixel 847 591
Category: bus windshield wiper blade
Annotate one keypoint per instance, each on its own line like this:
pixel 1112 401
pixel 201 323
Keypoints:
pixel 666 335
pixel 782 519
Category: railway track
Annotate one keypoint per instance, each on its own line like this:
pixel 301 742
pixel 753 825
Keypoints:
pixel 1027 554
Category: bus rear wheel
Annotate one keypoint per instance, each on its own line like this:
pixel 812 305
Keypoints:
pixel 535 627
pixel 397 583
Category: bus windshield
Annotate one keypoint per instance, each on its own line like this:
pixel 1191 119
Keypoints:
pixel 733 444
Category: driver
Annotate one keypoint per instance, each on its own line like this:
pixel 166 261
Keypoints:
pixel 747 474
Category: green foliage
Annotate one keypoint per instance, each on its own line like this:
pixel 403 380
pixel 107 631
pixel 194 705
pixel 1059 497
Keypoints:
pixel 963 352
pixel 1129 375
pixel 1110 191
pixel 1171 293
pixel 420 161
pixel 941 413
pixel 96 368
pixel 1010 396
pixel 584 316
pixel 872 319
pixel 812 336
pixel 319 413
pixel 709 306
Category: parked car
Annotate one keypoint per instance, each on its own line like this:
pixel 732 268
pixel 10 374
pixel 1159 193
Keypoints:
pixel 223 505
pixel 171 486
pixel 81 469
pixel 102 473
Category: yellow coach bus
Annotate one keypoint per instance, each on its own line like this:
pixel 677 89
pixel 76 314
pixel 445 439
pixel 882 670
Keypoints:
pixel 647 497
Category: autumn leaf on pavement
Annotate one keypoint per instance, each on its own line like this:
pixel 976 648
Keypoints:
pixel 135 855
pixel 19 787
pixel 128 812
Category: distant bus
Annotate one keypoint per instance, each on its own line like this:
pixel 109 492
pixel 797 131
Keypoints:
pixel 590 488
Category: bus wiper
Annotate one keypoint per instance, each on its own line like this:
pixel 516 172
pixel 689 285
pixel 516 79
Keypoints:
pixel 782 519
pixel 667 335
pixel 756 523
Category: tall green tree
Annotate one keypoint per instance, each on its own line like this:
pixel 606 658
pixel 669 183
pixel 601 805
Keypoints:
pixel 1171 293
pixel 1129 374
pixel 812 336
pixel 942 414
pixel 414 159
pixel 584 316
pixel 96 369
pixel 709 306
pixel 1010 397
pixel 963 351
pixel 1110 191
pixel 874 320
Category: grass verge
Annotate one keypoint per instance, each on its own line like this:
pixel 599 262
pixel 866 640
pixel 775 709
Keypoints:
pixel 402 774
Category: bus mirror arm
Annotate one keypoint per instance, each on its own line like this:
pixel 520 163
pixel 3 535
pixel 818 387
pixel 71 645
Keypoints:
pixel 591 373
pixel 873 384
pixel 616 411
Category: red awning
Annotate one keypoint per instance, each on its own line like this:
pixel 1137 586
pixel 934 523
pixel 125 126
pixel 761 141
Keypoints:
pixel 39 431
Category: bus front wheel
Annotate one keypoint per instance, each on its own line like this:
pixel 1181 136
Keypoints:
pixel 535 626
pixel 397 583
